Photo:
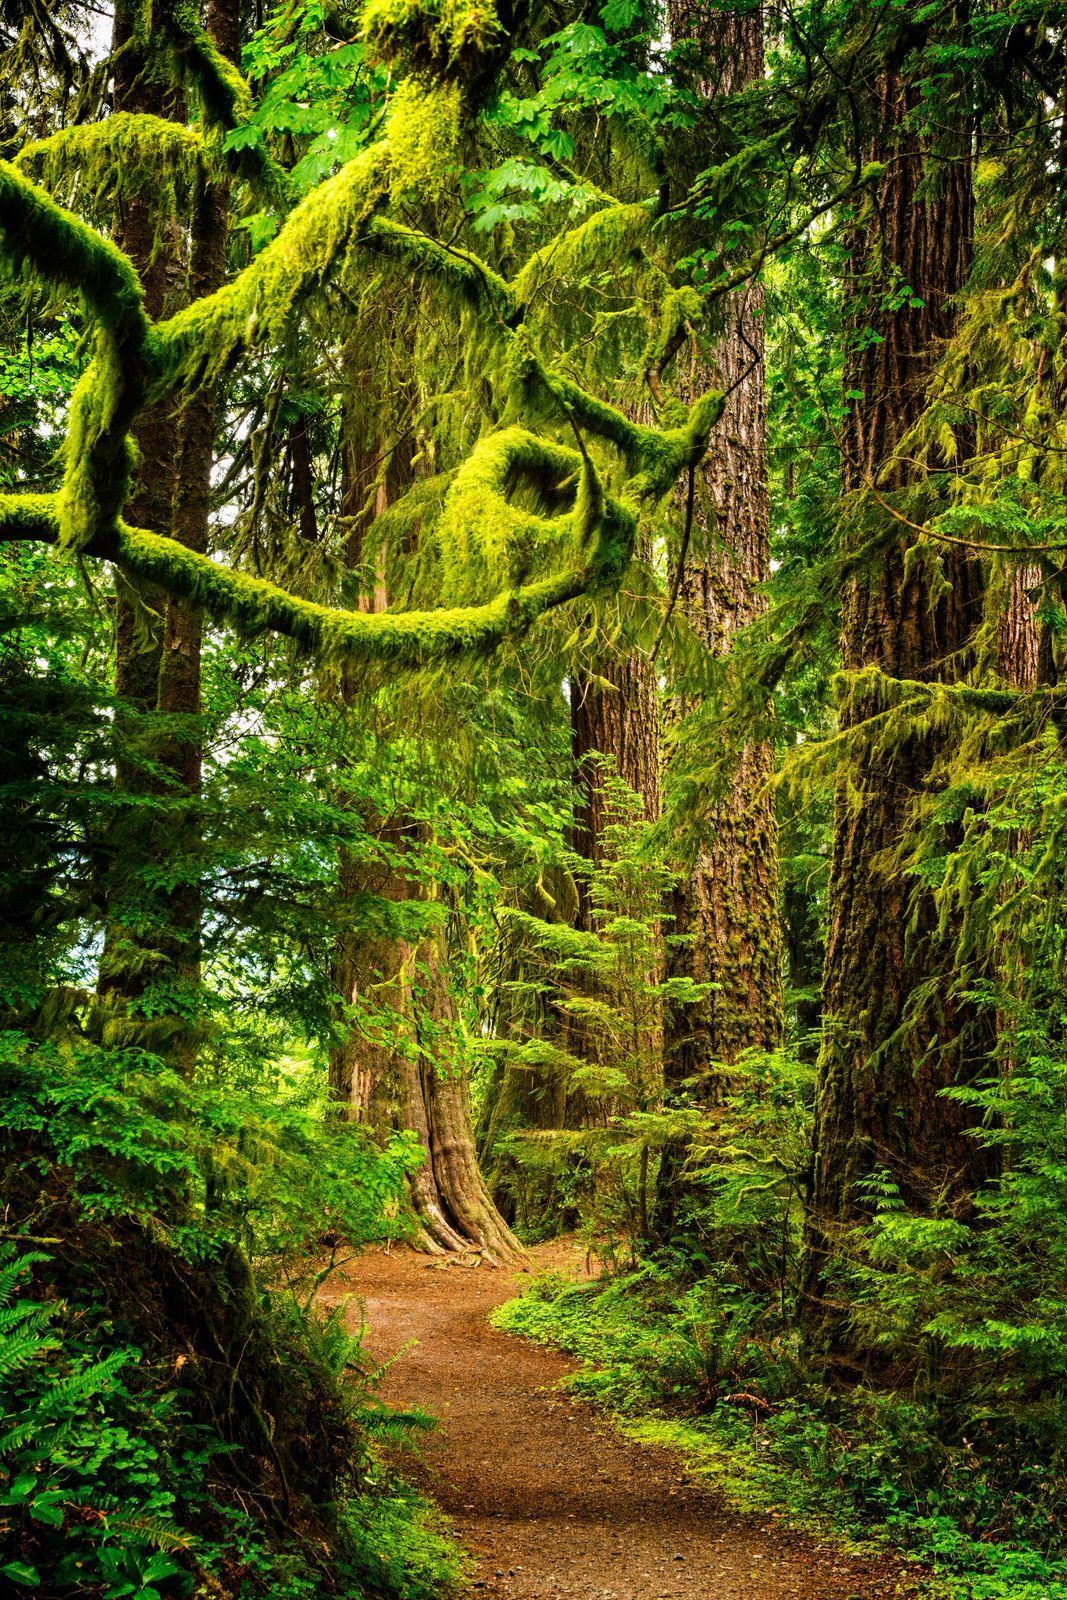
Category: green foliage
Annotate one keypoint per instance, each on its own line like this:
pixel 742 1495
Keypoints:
pixel 112 1473
pixel 477 264
pixel 581 1021
pixel 952 1444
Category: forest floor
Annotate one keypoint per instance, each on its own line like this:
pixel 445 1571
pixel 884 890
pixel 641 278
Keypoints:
pixel 552 1501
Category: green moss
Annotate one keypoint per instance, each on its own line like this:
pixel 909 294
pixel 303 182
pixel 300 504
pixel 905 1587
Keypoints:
pixel 458 273
pixel 97 452
pixel 455 41
pixel 611 238
pixel 56 247
pixel 422 132
pixel 127 154
pixel 255 308
pixel 525 520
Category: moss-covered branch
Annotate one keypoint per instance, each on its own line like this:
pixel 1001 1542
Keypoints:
pixel 460 272
pixel 254 605
pixel 256 306
pixel 526 519
pixel 127 153
pixel 221 93
pixel 53 244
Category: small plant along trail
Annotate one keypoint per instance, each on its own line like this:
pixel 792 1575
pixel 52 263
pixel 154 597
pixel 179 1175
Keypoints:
pixel 550 1499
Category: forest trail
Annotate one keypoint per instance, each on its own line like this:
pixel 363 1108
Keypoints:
pixel 551 1500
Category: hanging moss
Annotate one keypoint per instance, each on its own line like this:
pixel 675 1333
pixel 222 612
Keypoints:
pixel 97 451
pixel 41 237
pixel 197 343
pixel 459 273
pixel 128 154
pixel 254 605
pixel 609 238
pixel 525 521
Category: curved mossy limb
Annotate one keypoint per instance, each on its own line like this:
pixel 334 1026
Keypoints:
pixel 128 153
pixel 654 457
pixel 459 273
pixel 483 533
pixel 606 238
pixel 491 539
pixel 254 605
pixel 197 343
pixel 60 249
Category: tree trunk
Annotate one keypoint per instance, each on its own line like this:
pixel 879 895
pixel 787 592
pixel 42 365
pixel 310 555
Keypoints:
pixel 727 905
pixel 411 1087
pixel 614 714
pixel 158 639
pixel 130 961
pixel 725 910
pixel 451 1198
pixel 183 626
pixel 894 1033
pixel 1020 652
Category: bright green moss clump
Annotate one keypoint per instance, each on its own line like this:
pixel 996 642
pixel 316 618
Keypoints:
pixel 526 523
pixel 453 41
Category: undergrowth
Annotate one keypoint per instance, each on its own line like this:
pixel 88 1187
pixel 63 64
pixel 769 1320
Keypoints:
pixel 701 1376
pixel 948 1442
pixel 178 1416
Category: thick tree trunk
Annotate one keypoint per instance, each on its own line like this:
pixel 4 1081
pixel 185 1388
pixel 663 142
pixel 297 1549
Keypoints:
pixel 894 1034
pixel 414 1082
pixel 183 626
pixel 727 905
pixel 153 243
pixel 1020 652
pixel 450 1195
pixel 614 714
pixel 614 732
pixel 726 908
pixel 158 639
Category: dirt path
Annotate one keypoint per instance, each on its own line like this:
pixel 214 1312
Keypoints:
pixel 554 1504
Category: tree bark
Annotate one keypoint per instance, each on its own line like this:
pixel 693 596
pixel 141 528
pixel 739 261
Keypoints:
pixel 614 714
pixel 157 638
pixel 725 909
pixel 157 251
pixel 894 1034
pixel 183 624
pixel 727 905
pixel 1020 651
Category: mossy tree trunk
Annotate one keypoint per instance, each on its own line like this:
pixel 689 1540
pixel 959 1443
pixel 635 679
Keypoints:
pixel 153 937
pixel 450 1195
pixel 405 1071
pixel 895 1035
pixel 726 906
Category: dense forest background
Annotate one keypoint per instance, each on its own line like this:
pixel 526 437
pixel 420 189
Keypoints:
pixel 534 599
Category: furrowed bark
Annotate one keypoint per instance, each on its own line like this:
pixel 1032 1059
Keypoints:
pixel 894 1033
pixel 726 907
